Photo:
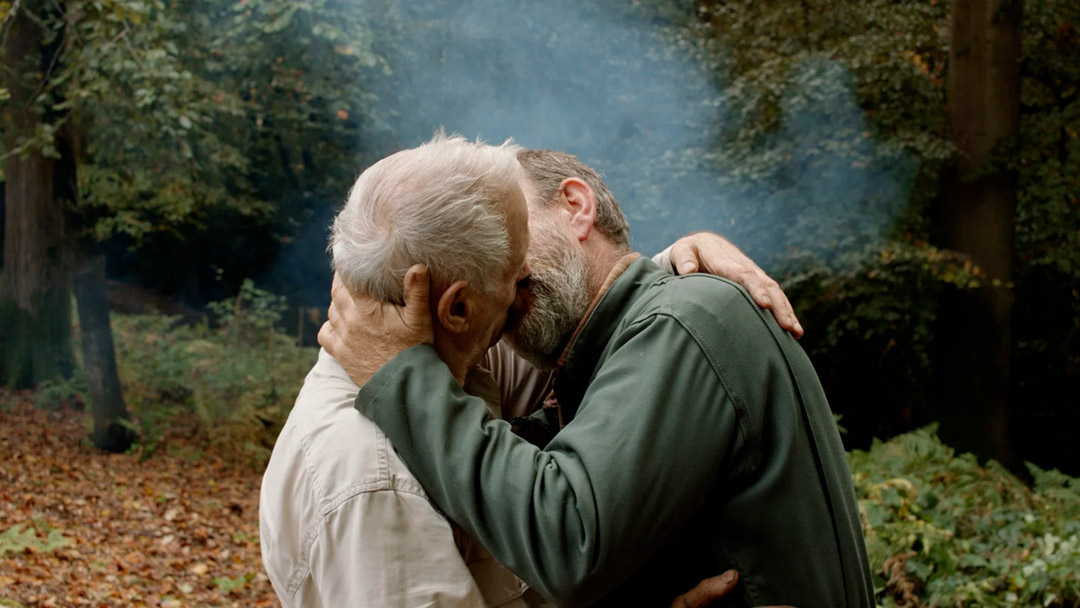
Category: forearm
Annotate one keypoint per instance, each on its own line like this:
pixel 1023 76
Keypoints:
pixel 575 519
pixel 518 502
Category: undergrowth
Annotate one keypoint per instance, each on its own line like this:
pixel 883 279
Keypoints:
pixel 233 381
pixel 943 531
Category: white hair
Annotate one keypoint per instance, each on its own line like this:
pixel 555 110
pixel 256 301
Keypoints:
pixel 440 204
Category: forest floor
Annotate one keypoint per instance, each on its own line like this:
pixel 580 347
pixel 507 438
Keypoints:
pixel 82 528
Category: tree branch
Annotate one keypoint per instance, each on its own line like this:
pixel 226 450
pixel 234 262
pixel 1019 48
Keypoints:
pixel 8 18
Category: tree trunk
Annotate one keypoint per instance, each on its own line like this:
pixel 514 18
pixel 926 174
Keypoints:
pixel 99 356
pixel 35 292
pixel 111 433
pixel 976 217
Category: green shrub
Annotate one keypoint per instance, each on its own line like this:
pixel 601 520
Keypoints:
pixel 62 392
pixel 237 380
pixel 943 531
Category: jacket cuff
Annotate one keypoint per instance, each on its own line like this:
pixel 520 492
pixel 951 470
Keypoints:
pixel 391 377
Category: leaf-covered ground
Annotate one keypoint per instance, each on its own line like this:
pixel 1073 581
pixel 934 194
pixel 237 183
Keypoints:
pixel 83 528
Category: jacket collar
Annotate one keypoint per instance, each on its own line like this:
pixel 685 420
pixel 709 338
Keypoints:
pixel 630 276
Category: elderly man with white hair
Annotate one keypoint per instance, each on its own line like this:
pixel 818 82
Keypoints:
pixel 343 522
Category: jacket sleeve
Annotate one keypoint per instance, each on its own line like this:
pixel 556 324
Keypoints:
pixel 576 518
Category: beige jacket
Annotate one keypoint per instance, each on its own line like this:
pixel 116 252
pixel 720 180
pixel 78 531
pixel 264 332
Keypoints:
pixel 343 523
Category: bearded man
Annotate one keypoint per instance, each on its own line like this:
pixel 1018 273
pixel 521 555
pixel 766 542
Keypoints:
pixel 694 434
pixel 342 520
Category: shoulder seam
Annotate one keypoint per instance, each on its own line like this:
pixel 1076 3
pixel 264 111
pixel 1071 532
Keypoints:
pixel 741 412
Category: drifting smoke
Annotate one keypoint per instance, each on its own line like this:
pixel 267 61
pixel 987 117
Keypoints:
pixel 640 103
pixel 593 81
pixel 644 105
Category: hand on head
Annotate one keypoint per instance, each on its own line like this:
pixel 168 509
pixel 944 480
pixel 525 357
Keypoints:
pixel 364 334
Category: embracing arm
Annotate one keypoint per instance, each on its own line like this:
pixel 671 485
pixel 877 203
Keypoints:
pixel 713 254
pixel 522 387
pixel 575 519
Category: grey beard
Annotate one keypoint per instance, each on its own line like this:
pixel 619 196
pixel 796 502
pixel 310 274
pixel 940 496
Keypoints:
pixel 559 292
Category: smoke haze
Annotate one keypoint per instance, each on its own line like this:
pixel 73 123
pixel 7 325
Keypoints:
pixel 634 97
pixel 641 103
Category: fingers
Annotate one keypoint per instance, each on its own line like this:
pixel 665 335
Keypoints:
pixel 758 285
pixel 417 287
pixel 684 256
pixel 767 293
pixel 417 312
pixel 340 296
pixel 712 253
pixel 708 591
pixel 763 289
pixel 333 316
pixel 784 312
pixel 327 338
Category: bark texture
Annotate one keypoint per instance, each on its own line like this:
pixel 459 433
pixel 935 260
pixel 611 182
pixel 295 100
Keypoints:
pixel 111 433
pixel 99 357
pixel 35 292
pixel 976 218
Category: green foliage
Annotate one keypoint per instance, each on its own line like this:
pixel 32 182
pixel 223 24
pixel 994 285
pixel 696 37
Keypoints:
pixel 251 315
pixel 834 124
pixel 158 152
pixel 1049 199
pixel 882 296
pixel 38 537
pixel 823 191
pixel 943 531
pixel 239 379
pixel 230 585
pixel 62 393
pixel 180 112
pixel 1047 244
pixel 871 321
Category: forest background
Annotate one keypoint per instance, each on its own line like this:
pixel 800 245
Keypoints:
pixel 907 169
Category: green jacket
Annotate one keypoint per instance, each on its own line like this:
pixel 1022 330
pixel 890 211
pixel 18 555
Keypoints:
pixel 699 440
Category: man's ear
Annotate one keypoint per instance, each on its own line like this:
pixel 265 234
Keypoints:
pixel 581 202
pixel 453 308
